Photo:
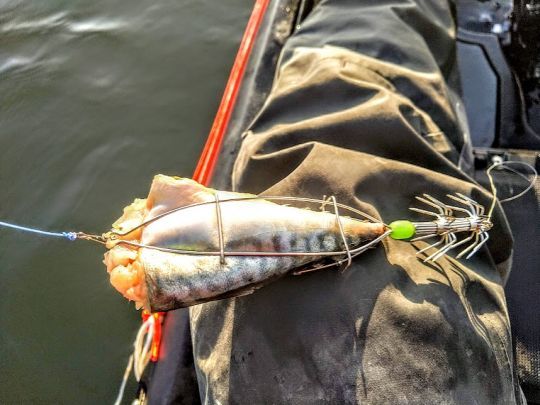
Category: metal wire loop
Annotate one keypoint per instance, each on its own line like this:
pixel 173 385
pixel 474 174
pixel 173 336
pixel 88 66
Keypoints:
pixel 220 230
pixel 342 232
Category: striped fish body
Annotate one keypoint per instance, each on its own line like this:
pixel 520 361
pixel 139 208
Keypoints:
pixel 178 280
pixel 163 280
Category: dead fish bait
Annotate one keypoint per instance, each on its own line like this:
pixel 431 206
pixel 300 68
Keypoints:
pixel 187 244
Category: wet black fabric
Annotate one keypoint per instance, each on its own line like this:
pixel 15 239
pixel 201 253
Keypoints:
pixel 361 110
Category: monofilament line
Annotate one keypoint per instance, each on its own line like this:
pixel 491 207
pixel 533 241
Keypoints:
pixel 67 235
pixel 504 165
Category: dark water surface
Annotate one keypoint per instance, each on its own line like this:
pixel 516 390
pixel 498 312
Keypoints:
pixel 95 98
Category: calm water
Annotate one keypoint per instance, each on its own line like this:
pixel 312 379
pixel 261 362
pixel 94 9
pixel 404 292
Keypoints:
pixel 95 98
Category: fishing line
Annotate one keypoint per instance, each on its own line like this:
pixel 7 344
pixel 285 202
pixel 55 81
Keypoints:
pixel 504 165
pixel 140 357
pixel 127 371
pixel 141 347
pixel 71 236
pixel 68 235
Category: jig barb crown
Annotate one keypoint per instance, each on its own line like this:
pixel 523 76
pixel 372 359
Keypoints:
pixel 446 225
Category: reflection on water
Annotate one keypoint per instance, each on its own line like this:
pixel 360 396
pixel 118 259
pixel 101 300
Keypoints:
pixel 95 98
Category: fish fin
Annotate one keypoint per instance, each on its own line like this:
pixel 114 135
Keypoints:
pixel 167 193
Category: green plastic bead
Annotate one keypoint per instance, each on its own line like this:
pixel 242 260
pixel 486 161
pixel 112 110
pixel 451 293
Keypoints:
pixel 402 229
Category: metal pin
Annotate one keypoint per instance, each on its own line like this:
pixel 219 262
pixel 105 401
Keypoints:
pixel 220 230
